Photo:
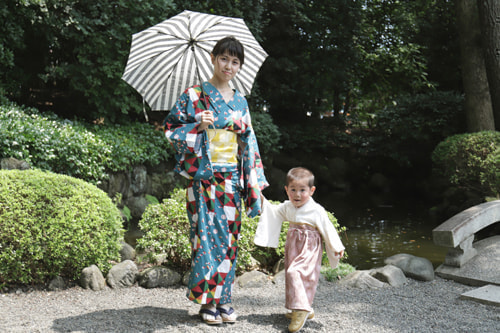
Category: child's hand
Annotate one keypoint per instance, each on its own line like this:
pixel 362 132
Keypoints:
pixel 339 254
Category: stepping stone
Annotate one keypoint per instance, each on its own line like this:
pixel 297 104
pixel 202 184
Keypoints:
pixel 489 294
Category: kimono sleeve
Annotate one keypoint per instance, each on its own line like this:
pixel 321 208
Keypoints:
pixel 191 146
pixel 269 226
pixel 330 238
pixel 254 180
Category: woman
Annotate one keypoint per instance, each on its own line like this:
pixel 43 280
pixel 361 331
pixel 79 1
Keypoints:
pixel 211 131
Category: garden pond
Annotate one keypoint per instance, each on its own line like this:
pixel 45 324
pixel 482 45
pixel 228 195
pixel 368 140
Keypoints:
pixel 376 231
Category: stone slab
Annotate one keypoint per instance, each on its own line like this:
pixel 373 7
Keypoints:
pixel 489 294
pixel 482 269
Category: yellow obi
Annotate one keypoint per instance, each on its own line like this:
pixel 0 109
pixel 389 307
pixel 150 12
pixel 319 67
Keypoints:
pixel 223 146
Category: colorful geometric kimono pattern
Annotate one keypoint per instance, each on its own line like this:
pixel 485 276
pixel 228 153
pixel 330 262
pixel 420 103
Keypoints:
pixel 215 191
pixel 214 212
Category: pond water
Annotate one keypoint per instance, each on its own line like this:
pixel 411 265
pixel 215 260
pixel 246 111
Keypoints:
pixel 376 231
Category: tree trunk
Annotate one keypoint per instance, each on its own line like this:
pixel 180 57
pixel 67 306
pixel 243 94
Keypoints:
pixel 489 17
pixel 478 108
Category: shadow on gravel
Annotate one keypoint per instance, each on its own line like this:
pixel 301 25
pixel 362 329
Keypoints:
pixel 141 319
pixel 149 319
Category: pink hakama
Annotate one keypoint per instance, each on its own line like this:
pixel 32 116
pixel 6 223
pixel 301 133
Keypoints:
pixel 303 252
pixel 309 228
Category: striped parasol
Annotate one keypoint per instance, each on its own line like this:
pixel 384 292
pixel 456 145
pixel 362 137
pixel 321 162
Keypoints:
pixel 173 55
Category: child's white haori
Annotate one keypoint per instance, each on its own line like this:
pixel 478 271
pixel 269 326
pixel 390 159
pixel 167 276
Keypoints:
pixel 312 213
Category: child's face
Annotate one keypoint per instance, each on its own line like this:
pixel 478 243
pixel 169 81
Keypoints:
pixel 299 192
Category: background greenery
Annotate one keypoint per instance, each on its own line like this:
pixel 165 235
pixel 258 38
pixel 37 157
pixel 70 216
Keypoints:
pixel 165 237
pixel 76 148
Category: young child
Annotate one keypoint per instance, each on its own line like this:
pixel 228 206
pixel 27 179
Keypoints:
pixel 309 227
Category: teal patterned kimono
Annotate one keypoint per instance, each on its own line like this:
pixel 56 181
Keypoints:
pixel 215 192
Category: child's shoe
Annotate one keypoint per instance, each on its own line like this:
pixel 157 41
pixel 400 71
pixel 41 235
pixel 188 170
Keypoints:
pixel 298 320
pixel 288 315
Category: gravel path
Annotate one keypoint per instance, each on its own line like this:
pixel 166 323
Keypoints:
pixel 416 307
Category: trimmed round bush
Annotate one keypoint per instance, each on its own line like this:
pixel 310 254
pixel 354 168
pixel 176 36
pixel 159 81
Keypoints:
pixel 471 161
pixel 52 225
pixel 491 176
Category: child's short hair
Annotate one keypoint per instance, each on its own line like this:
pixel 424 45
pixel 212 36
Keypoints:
pixel 300 173
pixel 233 47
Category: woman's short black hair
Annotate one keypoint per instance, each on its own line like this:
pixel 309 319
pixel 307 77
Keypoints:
pixel 232 46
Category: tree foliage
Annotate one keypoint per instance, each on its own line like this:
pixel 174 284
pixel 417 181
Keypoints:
pixel 69 55
pixel 312 54
pixel 324 56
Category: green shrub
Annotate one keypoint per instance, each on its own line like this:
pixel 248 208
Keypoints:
pixel 166 233
pixel 133 144
pixel 76 149
pixel 471 161
pixel 342 270
pixel 53 225
pixel 490 177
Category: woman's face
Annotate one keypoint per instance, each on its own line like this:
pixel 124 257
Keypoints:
pixel 225 66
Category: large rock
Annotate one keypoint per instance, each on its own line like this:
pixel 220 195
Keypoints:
pixel 185 278
pixel 57 283
pixel 162 183
pixel 362 280
pixel 279 266
pixel 139 178
pixel 414 267
pixel 118 182
pixel 137 205
pixel 280 278
pixel 12 163
pixel 127 252
pixel 122 275
pixel 158 277
pixel 389 274
pixel 92 278
pixel 253 279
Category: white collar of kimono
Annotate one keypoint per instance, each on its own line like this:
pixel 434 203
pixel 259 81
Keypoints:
pixel 308 205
